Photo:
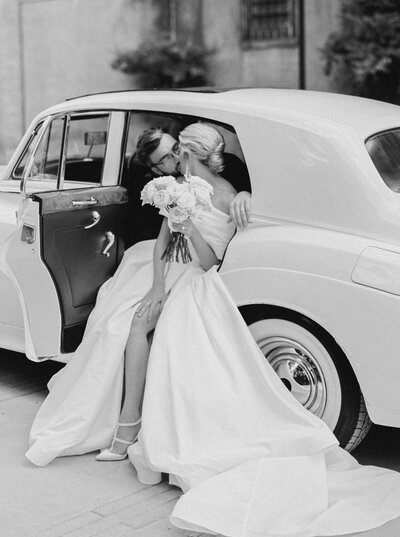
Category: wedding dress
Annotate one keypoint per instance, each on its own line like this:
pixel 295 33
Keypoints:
pixel 80 413
pixel 252 462
pixel 250 459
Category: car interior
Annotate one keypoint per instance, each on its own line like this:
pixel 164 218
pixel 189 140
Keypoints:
pixel 144 221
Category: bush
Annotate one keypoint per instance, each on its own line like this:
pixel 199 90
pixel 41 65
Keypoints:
pixel 367 48
pixel 165 64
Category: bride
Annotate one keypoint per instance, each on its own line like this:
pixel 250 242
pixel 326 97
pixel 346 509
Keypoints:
pixel 205 406
pixel 83 411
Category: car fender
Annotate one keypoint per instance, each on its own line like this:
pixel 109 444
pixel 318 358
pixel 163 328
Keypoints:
pixel 308 271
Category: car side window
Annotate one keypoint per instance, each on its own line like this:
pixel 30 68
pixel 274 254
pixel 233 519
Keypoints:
pixel 86 143
pixel 235 170
pixel 69 153
pixel 145 221
pixel 19 169
pixel 44 169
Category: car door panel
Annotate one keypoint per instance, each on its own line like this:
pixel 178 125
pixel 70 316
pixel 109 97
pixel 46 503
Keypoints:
pixel 74 236
pixel 56 265
pixel 69 235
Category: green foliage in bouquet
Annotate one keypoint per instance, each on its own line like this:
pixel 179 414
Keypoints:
pixel 165 63
pixel 367 48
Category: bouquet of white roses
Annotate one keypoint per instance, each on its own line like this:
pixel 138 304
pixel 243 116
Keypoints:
pixel 178 201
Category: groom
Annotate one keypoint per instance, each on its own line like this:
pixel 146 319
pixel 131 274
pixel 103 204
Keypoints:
pixel 157 153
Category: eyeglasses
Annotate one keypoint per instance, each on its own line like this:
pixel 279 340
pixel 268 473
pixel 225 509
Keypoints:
pixel 163 161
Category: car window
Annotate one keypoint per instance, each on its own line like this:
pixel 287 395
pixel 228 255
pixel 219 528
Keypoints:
pixel 144 221
pixel 85 152
pixel 44 170
pixel 384 150
pixel 235 166
pixel 22 162
pixel 69 154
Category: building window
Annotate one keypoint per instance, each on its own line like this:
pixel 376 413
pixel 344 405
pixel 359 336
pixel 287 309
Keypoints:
pixel 167 18
pixel 268 20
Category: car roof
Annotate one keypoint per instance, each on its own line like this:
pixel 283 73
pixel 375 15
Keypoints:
pixel 310 109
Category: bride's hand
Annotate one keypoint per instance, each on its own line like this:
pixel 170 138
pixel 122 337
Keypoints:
pixel 152 301
pixel 186 227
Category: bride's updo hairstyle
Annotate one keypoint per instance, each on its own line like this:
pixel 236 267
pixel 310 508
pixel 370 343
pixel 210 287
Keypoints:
pixel 205 143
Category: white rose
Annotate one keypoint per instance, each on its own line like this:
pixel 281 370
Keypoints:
pixel 161 198
pixel 186 201
pixel 163 181
pixel 175 190
pixel 177 215
pixel 147 194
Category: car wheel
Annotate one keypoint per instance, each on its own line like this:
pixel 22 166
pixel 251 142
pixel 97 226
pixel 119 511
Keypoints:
pixel 317 373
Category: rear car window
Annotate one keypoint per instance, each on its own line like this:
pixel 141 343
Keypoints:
pixel 384 150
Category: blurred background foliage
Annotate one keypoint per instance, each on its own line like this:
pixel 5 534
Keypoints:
pixel 365 51
pixel 166 63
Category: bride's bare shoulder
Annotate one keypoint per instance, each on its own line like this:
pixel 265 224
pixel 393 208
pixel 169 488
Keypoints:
pixel 223 195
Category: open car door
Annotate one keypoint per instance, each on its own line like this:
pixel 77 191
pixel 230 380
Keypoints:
pixel 69 238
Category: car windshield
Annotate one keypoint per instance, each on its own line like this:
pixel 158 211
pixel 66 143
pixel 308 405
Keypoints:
pixel 384 150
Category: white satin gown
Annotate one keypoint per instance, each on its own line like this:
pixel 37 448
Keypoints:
pixel 80 413
pixel 252 462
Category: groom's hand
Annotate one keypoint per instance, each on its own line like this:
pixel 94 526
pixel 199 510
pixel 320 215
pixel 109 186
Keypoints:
pixel 239 209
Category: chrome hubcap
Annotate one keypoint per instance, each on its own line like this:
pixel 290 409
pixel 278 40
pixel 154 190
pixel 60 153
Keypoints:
pixel 299 371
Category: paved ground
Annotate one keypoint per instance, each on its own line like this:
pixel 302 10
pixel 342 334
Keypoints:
pixel 79 497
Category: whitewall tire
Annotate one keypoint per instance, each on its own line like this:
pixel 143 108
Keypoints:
pixel 315 371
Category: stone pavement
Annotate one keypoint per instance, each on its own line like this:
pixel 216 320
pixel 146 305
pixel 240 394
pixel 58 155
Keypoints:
pixel 143 513
pixel 80 497
pixel 73 496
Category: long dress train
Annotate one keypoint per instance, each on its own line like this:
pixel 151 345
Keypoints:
pixel 252 462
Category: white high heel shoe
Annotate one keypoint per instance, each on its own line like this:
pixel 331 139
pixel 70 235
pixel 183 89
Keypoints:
pixel 108 454
pixel 144 474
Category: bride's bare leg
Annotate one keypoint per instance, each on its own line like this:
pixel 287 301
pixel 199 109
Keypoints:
pixel 136 359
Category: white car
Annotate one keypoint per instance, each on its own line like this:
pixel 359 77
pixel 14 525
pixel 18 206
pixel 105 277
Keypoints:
pixel 316 274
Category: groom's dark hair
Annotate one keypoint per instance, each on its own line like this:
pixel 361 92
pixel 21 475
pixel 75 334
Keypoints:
pixel 147 143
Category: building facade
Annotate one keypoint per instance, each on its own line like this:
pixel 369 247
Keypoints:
pixel 54 49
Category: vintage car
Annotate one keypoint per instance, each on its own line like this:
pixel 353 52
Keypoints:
pixel 316 275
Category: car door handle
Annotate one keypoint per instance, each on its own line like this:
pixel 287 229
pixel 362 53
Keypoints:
pixel 90 201
pixel 110 239
pixel 28 234
pixel 96 218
